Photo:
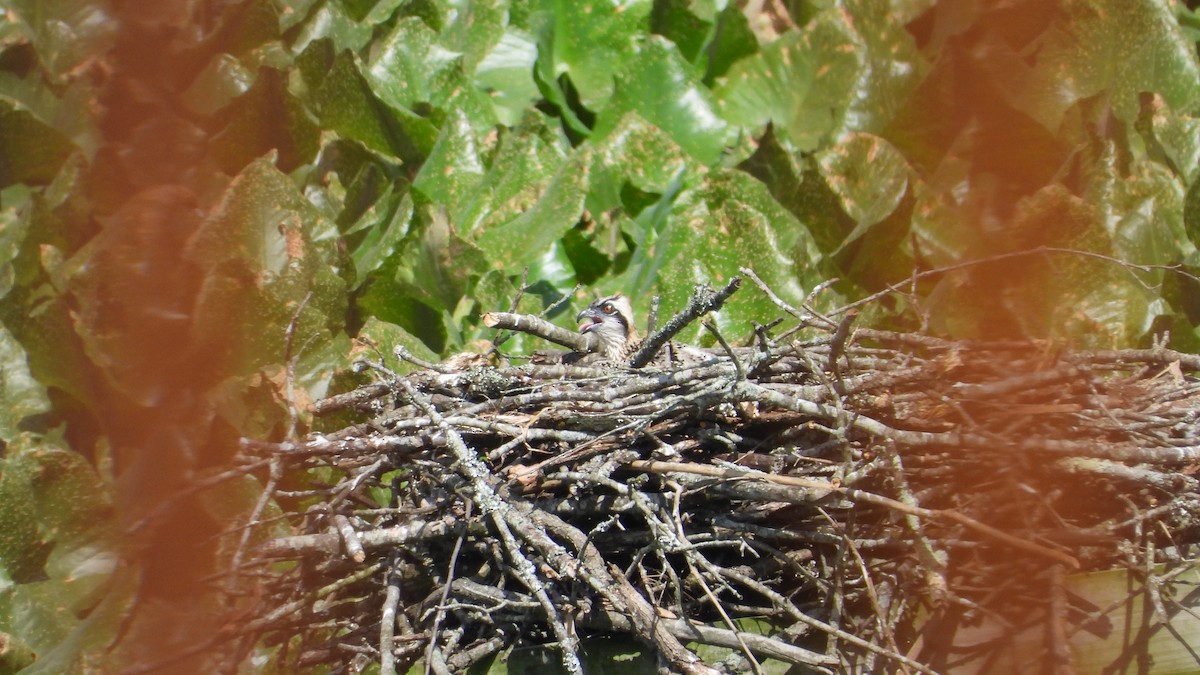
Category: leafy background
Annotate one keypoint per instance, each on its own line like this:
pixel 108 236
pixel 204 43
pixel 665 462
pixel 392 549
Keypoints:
pixel 197 195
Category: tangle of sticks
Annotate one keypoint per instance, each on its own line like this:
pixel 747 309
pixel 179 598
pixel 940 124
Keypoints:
pixel 836 498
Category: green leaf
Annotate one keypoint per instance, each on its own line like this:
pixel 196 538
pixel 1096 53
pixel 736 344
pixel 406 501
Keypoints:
pixel 868 175
pixel 505 74
pixel 221 81
pixel 30 151
pixel 264 254
pixel 454 168
pixel 526 238
pixel 15 204
pixel 590 41
pixel 658 85
pixel 1178 136
pixel 474 29
pixel 801 82
pixel 409 67
pixel 22 395
pixel 66 33
pixel 387 336
pixel 331 22
pixel 638 154
pixel 266 118
pixel 385 230
pixel 727 222
pixel 1119 48
pixel 347 105
pixel 23 551
pixel 438 264
pixel 411 71
pixel 524 164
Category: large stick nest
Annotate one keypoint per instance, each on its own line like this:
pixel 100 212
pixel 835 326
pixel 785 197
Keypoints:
pixel 864 493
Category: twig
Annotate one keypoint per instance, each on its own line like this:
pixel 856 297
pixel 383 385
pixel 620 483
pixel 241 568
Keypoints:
pixel 387 619
pixel 527 323
pixel 703 301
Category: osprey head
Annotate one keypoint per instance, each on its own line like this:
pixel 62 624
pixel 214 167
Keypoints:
pixel 610 319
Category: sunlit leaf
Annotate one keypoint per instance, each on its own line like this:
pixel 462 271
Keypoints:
pixel 801 82
pixel 528 236
pixel 659 86
pixel 590 40
pixel 505 74
pixel 1117 47
pixel 454 168
pixel 868 175
pixel 265 256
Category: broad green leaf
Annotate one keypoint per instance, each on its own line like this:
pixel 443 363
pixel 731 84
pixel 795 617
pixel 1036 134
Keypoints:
pixel 411 70
pixel 505 74
pixel 15 204
pixel 802 82
pixel 23 551
pixel 63 108
pixel 1178 136
pixel 474 29
pixel 66 33
pixel 387 336
pixel 222 80
pixel 732 41
pixel 69 640
pixel 1119 48
pixel 868 175
pixel 37 310
pixel 410 67
pixel 523 165
pixel 891 64
pixel 688 25
pixel 1144 217
pixel 265 255
pixel 385 229
pixel 796 182
pixel 526 238
pixel 658 85
pixel 454 169
pixel 944 226
pixel 292 12
pixel 266 118
pixel 437 264
pixel 591 40
pixel 635 153
pixel 347 105
pixel 331 22
pixel 554 268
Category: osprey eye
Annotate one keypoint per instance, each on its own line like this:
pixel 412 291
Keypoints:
pixel 607 308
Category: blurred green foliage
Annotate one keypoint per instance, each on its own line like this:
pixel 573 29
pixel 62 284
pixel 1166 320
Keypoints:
pixel 392 169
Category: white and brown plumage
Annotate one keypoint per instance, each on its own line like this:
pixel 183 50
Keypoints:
pixel 610 319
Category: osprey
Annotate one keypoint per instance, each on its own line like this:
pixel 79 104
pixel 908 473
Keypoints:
pixel 610 319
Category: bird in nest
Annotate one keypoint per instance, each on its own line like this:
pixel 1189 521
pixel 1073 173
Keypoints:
pixel 610 319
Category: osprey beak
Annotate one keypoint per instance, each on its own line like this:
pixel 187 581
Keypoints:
pixel 588 319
